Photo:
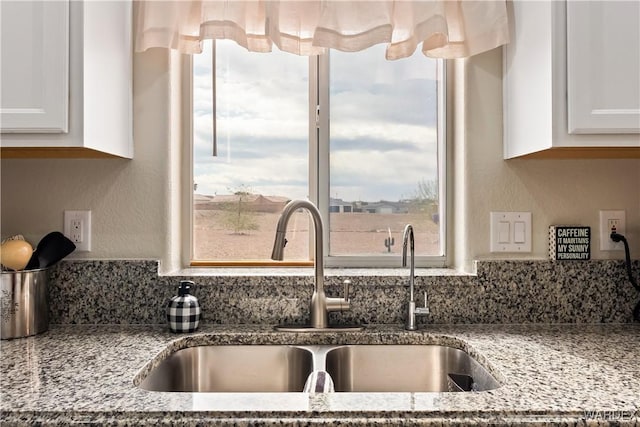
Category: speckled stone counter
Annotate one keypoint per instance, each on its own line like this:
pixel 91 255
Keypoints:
pixel 551 374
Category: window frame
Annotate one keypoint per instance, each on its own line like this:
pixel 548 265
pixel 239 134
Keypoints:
pixel 319 172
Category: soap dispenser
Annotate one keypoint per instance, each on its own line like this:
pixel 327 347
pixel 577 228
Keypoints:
pixel 183 311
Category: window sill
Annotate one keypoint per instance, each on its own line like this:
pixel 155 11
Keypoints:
pixel 308 271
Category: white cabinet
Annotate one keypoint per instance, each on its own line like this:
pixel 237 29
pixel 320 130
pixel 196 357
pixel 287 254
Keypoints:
pixel 34 52
pixel 100 86
pixel 603 66
pixel 537 79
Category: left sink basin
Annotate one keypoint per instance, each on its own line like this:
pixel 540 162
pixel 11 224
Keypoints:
pixel 232 368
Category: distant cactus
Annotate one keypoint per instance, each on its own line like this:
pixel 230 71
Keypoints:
pixel 388 242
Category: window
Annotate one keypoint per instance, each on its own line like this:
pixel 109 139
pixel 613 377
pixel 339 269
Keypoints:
pixel 360 136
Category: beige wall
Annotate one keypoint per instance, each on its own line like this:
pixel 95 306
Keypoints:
pixel 560 192
pixel 133 202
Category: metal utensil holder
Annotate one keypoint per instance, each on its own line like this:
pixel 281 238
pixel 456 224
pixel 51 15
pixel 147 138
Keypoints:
pixel 24 306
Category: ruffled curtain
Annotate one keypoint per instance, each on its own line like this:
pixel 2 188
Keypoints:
pixel 445 28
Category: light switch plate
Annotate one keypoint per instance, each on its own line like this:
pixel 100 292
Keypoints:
pixel 510 232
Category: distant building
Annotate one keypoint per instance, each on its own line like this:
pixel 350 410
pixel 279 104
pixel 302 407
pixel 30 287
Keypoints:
pixel 275 204
pixel 382 207
pixel 340 206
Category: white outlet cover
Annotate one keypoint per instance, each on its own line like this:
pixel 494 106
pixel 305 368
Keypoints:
pixel 510 232
pixel 606 244
pixel 84 245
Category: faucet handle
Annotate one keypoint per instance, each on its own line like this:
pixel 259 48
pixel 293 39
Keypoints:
pixel 346 283
pixel 340 304
pixel 423 310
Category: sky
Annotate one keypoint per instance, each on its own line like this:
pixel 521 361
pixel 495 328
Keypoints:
pixel 382 131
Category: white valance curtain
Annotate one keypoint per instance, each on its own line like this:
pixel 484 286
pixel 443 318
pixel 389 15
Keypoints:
pixel 445 28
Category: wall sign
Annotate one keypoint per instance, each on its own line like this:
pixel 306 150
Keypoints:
pixel 569 243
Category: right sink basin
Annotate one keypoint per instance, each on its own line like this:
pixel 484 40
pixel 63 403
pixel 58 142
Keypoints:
pixel 406 368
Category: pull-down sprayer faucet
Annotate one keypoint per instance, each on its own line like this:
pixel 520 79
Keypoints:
pixel 320 305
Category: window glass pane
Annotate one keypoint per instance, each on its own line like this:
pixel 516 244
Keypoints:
pixel 383 153
pixel 261 119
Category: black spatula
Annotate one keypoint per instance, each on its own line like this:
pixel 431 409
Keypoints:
pixel 52 248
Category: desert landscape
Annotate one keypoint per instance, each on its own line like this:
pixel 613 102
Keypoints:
pixel 351 234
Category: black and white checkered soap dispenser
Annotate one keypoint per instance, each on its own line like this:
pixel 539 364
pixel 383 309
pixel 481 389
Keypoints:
pixel 183 311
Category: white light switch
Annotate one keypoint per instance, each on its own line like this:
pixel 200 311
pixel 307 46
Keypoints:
pixel 510 232
pixel 519 232
pixel 503 232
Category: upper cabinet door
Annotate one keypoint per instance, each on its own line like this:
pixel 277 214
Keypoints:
pixel 603 67
pixel 35 66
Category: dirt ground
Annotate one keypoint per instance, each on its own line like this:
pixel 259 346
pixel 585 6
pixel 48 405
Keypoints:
pixel 351 234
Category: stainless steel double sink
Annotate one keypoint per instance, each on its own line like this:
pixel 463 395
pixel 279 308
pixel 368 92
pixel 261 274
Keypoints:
pixel 353 368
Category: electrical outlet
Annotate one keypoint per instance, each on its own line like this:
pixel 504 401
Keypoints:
pixel 77 227
pixel 76 230
pixel 611 221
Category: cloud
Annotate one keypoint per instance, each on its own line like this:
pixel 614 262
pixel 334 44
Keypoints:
pixel 383 125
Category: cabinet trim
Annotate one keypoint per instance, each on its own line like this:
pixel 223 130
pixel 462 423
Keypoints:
pixel 55 153
pixel 585 153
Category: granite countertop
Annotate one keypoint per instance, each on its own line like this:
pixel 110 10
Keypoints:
pixel 550 374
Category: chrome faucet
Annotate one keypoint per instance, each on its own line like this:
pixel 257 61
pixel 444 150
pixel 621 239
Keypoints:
pixel 321 305
pixel 412 311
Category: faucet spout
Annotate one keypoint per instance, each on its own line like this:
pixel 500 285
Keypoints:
pixel 320 305
pixel 408 240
